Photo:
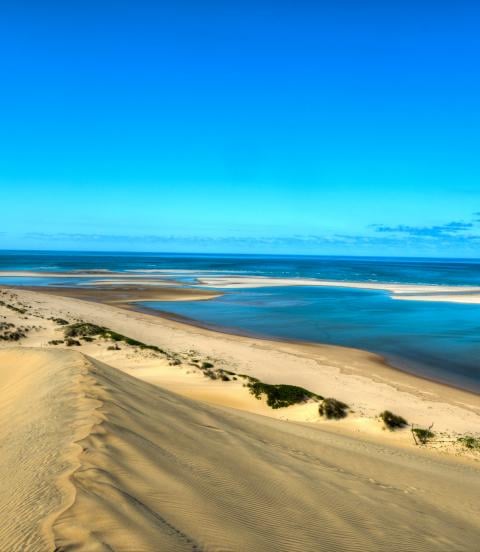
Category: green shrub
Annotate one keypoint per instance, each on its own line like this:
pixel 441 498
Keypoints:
pixel 333 409
pixel 60 321
pixel 86 330
pixel 206 365
pixel 422 434
pixel 82 329
pixel 280 395
pixel 470 442
pixel 70 342
pixel 56 342
pixel 13 307
pixel 210 374
pixel 392 421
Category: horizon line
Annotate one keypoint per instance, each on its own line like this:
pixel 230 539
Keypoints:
pixel 218 254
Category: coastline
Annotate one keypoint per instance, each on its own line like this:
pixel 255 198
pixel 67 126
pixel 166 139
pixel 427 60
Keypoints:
pixel 360 378
pixel 129 299
pixel 159 280
pixel 144 429
pixel 227 330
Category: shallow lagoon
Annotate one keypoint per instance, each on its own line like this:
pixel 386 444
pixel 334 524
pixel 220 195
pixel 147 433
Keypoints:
pixel 435 339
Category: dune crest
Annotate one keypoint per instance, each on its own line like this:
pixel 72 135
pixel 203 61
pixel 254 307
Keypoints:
pixel 123 465
pixel 43 413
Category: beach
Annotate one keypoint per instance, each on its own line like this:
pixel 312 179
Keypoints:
pixel 406 292
pixel 145 420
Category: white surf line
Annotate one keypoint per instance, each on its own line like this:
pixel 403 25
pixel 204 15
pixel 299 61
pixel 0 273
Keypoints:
pixel 413 292
pixel 92 275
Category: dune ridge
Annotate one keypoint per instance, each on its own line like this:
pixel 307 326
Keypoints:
pixel 42 417
pixel 133 467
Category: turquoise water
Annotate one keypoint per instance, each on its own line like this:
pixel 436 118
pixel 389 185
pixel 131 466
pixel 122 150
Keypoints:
pixel 419 271
pixel 434 339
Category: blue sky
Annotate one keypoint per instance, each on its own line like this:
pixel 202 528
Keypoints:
pixel 269 127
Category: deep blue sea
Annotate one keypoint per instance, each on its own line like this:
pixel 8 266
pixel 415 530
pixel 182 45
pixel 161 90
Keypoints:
pixel 434 339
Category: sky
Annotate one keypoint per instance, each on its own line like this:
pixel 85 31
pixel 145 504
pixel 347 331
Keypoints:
pixel 301 127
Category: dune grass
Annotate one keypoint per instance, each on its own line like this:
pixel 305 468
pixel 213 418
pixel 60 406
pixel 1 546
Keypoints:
pixel 86 330
pixel 281 395
pixel 333 409
pixel 392 421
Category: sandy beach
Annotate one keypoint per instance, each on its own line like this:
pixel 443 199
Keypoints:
pixel 161 280
pixel 136 449
pixel 412 292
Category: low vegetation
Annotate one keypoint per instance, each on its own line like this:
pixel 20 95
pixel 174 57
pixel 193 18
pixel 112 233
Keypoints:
pixel 422 435
pixel 392 421
pixel 332 409
pixel 13 307
pixel 8 332
pixel 60 321
pixel 56 342
pixel 85 330
pixel 280 395
pixel 470 442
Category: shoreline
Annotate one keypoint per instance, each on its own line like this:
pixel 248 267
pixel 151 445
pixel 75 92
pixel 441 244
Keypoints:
pixel 343 363
pixel 465 294
pixel 226 330
pixel 125 299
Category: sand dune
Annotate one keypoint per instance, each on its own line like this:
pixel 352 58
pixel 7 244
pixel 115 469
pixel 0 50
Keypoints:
pixel 94 459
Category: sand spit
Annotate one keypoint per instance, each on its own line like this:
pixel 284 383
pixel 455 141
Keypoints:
pixel 120 294
pixel 119 464
pixel 412 292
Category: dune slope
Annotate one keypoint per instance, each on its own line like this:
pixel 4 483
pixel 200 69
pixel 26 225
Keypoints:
pixel 40 418
pixel 124 465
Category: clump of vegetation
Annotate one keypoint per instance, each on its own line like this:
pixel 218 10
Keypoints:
pixel 280 395
pixel 10 333
pixel 211 374
pixel 13 307
pixel 12 336
pixel 392 421
pixel 60 321
pixel 332 409
pixel 422 435
pixel 214 373
pixel 82 329
pixel 113 347
pixel 88 339
pixel 56 342
pixel 70 342
pixel 86 330
pixel 470 442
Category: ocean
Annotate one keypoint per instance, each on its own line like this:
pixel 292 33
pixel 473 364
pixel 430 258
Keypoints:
pixel 438 340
